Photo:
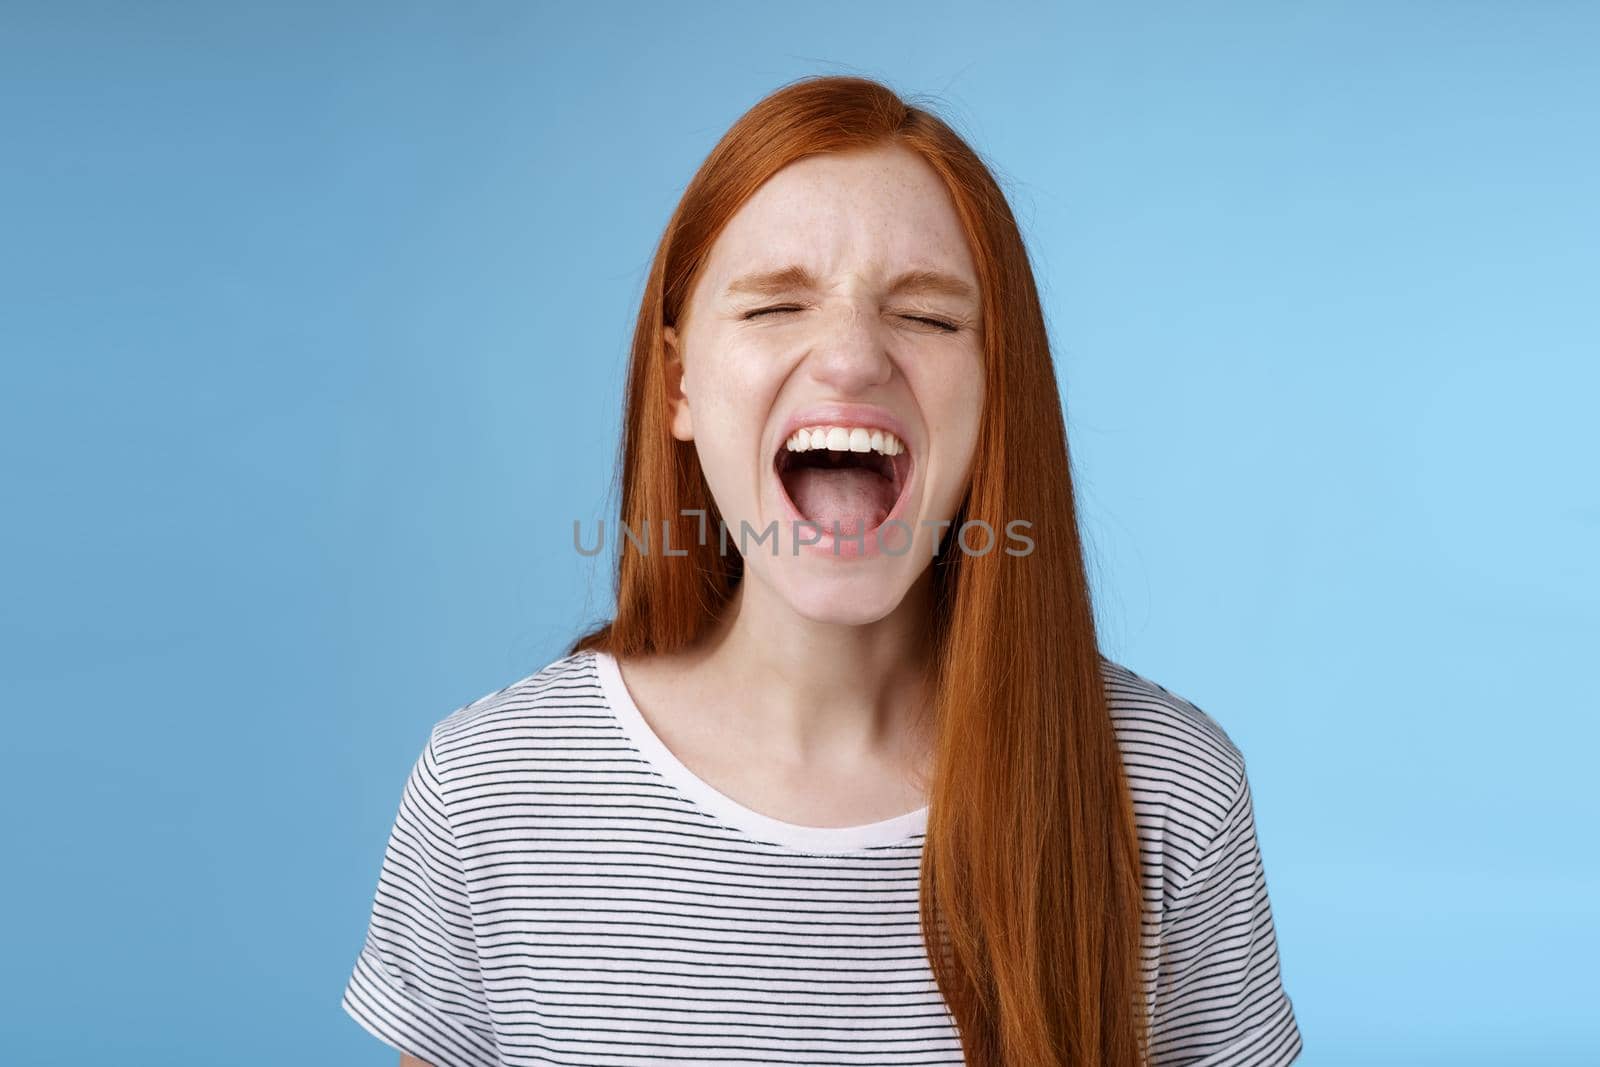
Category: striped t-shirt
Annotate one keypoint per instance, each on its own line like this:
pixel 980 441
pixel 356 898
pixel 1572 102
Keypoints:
pixel 559 889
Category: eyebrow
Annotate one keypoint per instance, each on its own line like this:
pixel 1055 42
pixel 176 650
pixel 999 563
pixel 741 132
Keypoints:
pixel 794 276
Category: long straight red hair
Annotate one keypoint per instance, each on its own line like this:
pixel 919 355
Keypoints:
pixel 1030 894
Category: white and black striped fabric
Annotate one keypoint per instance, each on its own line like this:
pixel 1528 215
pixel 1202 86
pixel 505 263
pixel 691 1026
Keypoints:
pixel 559 889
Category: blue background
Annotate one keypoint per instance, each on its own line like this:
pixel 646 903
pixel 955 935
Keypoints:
pixel 314 327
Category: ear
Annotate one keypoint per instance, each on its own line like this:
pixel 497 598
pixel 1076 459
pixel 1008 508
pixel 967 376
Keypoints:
pixel 681 421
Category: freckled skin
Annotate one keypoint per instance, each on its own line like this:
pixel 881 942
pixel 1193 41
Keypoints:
pixel 855 221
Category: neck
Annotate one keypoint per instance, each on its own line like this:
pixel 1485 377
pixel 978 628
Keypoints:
pixel 819 692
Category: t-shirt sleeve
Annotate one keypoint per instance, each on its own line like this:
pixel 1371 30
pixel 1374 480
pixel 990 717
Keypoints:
pixel 416 983
pixel 1221 998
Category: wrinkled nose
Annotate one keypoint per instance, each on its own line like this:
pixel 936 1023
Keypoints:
pixel 850 354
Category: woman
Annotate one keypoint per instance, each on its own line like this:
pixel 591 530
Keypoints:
pixel 846 778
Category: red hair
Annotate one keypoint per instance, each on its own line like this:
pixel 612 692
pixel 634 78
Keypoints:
pixel 1031 902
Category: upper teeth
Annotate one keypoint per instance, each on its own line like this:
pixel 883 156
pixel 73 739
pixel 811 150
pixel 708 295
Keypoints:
pixel 845 439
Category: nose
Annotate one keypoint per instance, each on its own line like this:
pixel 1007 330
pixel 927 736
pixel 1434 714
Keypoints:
pixel 851 354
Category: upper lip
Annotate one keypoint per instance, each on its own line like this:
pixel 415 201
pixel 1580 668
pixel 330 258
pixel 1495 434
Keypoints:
pixel 844 414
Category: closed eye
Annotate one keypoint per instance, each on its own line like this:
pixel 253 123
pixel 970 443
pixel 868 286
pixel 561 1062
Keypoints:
pixel 769 311
pixel 938 324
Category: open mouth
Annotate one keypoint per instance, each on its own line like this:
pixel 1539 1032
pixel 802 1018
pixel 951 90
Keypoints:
pixel 847 481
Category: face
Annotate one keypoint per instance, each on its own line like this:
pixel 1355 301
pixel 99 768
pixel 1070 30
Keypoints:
pixel 827 367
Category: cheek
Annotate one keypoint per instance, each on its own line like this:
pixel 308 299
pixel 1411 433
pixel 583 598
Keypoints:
pixel 729 375
pixel 951 397
pixel 731 397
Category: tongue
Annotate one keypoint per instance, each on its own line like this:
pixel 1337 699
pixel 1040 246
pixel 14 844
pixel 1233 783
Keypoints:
pixel 847 496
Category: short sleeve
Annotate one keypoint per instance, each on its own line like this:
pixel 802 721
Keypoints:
pixel 416 983
pixel 1221 998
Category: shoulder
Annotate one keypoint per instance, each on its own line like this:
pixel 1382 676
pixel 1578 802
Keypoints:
pixel 565 691
pixel 1164 734
pixel 1184 770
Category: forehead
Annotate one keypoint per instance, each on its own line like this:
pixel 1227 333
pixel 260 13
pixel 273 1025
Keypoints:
pixel 875 211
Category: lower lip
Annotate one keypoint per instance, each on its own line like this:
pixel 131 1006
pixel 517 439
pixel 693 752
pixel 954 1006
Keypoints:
pixel 866 547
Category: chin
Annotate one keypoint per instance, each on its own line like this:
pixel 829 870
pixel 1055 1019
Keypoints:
pixel 854 595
